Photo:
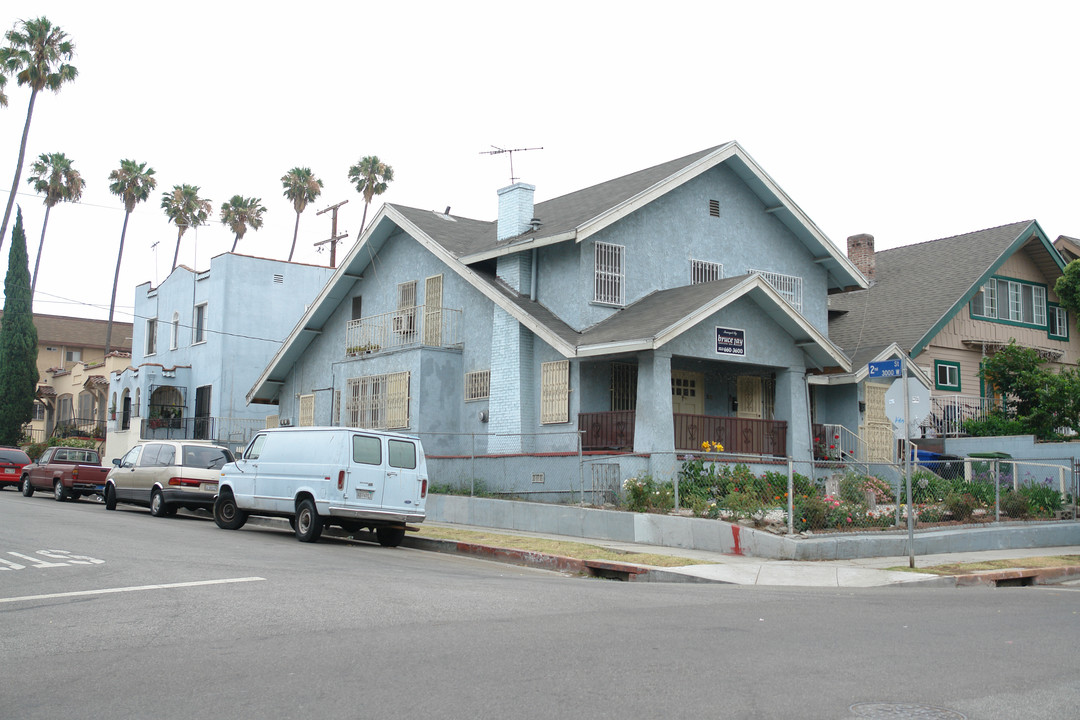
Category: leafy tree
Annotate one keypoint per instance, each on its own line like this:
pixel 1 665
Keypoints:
pixel 133 182
pixel 239 214
pixel 185 209
pixel 18 343
pixel 53 175
pixel 36 55
pixel 301 187
pixel 371 177
pixel 1067 288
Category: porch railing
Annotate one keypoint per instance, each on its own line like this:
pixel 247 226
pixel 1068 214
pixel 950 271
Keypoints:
pixel 419 326
pixel 615 431
pixel 948 413
pixel 737 435
pixel 607 430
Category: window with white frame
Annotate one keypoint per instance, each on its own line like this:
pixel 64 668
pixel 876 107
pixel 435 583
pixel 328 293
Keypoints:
pixel 703 271
pixel 789 286
pixel 1057 322
pixel 405 317
pixel 378 402
pixel 174 339
pixel 609 274
pixel 151 336
pixel 947 375
pixel 73 356
pixel 555 392
pixel 198 325
pixel 477 385
pixel 1012 301
pixel 39 411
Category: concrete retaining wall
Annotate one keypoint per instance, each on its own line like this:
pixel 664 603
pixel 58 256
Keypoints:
pixel 720 536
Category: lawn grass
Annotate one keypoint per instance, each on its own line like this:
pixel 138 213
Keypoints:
pixel 962 568
pixel 581 551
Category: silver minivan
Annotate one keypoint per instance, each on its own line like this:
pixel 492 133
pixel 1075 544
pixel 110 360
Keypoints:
pixel 318 476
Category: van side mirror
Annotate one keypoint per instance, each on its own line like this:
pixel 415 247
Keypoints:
pixel 116 462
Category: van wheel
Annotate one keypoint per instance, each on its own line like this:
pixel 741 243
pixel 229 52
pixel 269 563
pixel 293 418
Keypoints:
pixel 27 488
pixel 226 514
pixel 110 497
pixel 158 506
pixel 308 523
pixel 390 536
pixel 59 492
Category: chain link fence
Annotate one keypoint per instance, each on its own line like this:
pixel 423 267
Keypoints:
pixel 770 493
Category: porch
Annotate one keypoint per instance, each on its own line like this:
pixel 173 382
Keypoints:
pixel 615 431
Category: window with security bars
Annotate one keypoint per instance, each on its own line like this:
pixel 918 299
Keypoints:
pixel 477 385
pixel 405 317
pixel 703 271
pixel 609 274
pixel 789 286
pixel 555 392
pixel 378 402
pixel 307 411
pixel 623 386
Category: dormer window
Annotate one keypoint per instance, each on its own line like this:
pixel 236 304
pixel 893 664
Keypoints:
pixel 609 275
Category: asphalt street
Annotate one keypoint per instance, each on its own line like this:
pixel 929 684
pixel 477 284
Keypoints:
pixel 121 615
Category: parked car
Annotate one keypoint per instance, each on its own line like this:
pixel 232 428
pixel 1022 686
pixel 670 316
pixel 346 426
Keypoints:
pixel 318 476
pixel 12 462
pixel 69 472
pixel 166 475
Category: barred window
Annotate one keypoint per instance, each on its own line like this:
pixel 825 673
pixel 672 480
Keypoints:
pixel 555 392
pixel 307 410
pixel 623 386
pixel 405 317
pixel 477 385
pixel 609 274
pixel 702 271
pixel 789 286
pixel 378 402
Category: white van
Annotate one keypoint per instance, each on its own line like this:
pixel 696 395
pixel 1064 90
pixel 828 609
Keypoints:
pixel 318 476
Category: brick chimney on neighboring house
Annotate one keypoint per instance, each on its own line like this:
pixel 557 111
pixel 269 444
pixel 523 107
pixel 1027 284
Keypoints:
pixel 860 250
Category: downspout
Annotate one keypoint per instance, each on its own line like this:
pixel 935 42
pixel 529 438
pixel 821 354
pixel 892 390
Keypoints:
pixel 532 281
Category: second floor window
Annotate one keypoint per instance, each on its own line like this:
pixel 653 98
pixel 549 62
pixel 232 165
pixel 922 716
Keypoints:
pixel 151 336
pixel 1011 300
pixel 609 274
pixel 1058 322
pixel 198 330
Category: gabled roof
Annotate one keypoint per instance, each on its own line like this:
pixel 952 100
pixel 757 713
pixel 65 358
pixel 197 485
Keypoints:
pixel 461 242
pixel 1069 247
pixel 919 288
pixel 78 332
pixel 860 369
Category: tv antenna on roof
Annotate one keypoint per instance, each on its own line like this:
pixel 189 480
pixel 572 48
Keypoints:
pixel 500 151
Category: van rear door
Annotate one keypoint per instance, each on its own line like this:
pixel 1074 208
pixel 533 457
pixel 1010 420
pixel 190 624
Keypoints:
pixel 402 488
pixel 364 487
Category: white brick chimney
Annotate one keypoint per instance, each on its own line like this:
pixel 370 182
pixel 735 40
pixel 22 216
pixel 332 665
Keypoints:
pixel 515 210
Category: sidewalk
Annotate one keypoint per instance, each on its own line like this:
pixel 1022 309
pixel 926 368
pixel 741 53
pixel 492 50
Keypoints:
pixel 735 569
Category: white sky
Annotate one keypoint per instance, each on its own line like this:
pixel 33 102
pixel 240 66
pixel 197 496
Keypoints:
pixel 910 121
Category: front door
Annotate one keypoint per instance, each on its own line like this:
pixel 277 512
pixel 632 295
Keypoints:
pixel 687 392
pixel 749 389
pixel 202 412
pixel 877 431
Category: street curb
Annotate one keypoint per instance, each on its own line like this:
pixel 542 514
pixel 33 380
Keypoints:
pixel 1018 577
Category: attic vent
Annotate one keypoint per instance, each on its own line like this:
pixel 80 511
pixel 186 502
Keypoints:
pixel 538 478
pixel 279 279
pixel 714 208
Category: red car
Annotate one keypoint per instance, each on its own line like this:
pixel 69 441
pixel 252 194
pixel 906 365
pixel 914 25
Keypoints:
pixel 12 461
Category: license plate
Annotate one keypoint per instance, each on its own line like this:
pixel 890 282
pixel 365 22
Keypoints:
pixel 9 471
pixel 208 487
pixel 365 494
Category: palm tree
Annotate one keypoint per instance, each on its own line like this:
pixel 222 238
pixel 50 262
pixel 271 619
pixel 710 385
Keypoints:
pixel 240 213
pixel 302 187
pixel 133 182
pixel 371 177
pixel 186 209
pixel 35 56
pixel 53 175
pixel 3 82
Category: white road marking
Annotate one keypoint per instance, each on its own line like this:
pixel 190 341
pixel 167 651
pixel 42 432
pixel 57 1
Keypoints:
pixel 137 588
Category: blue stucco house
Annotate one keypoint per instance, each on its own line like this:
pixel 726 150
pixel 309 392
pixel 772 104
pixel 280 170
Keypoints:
pixel 199 340
pixel 681 303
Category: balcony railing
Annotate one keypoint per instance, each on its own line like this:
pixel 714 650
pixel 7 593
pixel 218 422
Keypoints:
pixel 615 431
pixel 948 413
pixel 224 430
pixel 80 427
pixel 419 326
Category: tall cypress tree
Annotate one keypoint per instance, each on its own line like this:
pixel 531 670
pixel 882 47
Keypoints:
pixel 18 342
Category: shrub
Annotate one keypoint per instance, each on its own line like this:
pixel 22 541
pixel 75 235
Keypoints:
pixel 1014 505
pixel 960 505
pixel 853 488
pixel 645 495
pixel 926 487
pixel 1042 500
pixel 929 514
pixel 745 505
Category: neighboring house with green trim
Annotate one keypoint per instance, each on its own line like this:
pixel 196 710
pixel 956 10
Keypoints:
pixel 950 303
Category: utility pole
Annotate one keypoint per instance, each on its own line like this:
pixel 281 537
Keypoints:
pixel 334 237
